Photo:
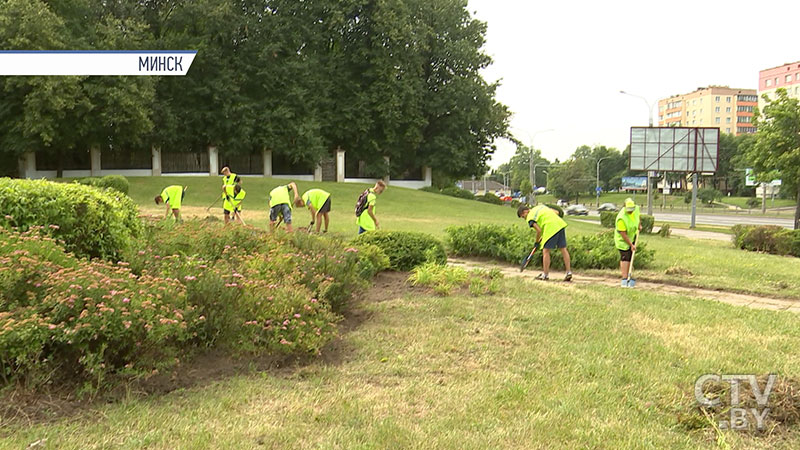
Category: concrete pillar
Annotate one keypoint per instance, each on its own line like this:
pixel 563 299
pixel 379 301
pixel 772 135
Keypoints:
pixel 266 156
pixel 213 161
pixel 427 175
pixel 386 177
pixel 156 152
pixel 27 165
pixel 95 160
pixel 318 173
pixel 339 165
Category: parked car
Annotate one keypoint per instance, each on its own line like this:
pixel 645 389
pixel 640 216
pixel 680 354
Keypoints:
pixel 607 207
pixel 576 210
pixel 562 203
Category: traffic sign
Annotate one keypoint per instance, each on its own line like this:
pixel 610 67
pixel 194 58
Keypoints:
pixel 598 189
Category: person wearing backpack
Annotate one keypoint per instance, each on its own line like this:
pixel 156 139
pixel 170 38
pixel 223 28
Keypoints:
pixel 365 208
pixel 550 235
pixel 319 205
pixel 280 204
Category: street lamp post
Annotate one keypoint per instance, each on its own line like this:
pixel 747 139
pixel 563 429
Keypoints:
pixel 532 168
pixel 597 181
pixel 650 123
pixel 533 191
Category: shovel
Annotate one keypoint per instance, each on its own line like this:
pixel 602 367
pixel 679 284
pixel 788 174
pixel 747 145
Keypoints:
pixel 528 258
pixel 630 282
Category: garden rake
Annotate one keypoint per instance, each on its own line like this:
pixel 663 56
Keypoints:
pixel 529 257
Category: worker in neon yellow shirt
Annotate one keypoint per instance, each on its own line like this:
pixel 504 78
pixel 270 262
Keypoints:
pixel 280 204
pixel 365 208
pixel 550 230
pixel 626 230
pixel 172 196
pixel 319 205
pixel 233 204
pixel 229 181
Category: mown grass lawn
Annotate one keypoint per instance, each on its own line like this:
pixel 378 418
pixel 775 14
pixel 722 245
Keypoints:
pixel 539 366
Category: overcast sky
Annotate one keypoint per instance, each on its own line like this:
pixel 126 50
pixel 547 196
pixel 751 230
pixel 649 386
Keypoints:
pixel 561 64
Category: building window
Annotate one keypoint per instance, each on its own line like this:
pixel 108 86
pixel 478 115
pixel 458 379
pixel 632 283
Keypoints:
pixel 728 99
pixel 727 120
pixel 741 130
pixel 744 108
pixel 744 119
pixel 775 81
pixel 728 109
pixel 788 78
pixel 768 83
pixel 716 120
pixel 748 98
pixel 716 99
pixel 716 109
pixel 728 130
pixel 797 76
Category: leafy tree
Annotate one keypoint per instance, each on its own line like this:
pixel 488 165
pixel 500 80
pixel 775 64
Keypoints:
pixel 571 179
pixel 777 143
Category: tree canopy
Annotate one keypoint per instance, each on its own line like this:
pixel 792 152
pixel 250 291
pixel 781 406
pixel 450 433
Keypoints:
pixel 397 78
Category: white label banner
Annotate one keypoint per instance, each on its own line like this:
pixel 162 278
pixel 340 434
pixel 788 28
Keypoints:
pixel 96 62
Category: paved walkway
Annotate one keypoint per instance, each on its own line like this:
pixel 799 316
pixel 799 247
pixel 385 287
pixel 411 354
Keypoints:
pixel 750 301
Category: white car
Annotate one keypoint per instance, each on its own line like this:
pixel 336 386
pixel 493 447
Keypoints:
pixel 576 210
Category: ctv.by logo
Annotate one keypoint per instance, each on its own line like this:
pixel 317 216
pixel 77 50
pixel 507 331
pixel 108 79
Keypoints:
pixel 740 416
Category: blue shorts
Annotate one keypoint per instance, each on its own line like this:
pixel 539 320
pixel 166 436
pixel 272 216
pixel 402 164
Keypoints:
pixel 282 210
pixel 558 240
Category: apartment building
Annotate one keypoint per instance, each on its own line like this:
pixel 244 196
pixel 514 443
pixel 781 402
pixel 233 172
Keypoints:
pixel 731 110
pixel 786 76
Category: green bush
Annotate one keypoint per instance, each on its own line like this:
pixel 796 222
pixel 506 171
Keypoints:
pixel 90 222
pixel 767 238
pixel 608 220
pixel 557 208
pixel 753 202
pixel 490 198
pixel 665 230
pixel 116 182
pixel 454 191
pixel 511 244
pixel 405 249
pixel 432 189
pixel 515 203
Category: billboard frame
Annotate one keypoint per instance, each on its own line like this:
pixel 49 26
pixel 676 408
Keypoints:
pixel 699 149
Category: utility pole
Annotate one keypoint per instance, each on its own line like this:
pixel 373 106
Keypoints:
pixel 650 124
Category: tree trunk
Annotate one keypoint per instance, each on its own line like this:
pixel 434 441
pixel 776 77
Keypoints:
pixel 797 210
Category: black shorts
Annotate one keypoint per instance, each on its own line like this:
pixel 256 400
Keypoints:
pixel 625 255
pixel 558 240
pixel 326 207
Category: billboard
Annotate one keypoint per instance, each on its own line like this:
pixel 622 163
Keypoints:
pixel 749 178
pixel 634 183
pixel 674 149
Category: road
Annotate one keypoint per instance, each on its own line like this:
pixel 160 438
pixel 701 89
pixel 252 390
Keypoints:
pixel 723 220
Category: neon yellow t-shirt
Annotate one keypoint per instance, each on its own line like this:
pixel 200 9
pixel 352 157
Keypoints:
pixel 365 220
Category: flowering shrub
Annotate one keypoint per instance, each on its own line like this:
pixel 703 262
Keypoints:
pixel 89 221
pixel 85 319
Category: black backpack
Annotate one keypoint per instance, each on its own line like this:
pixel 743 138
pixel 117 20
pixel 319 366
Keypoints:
pixel 361 204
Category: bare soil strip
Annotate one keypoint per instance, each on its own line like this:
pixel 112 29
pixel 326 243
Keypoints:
pixel 748 300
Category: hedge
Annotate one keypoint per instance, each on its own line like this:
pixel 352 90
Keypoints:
pixel 608 219
pixel 89 221
pixel 405 249
pixel 767 238
pixel 490 198
pixel 511 244
pixel 453 191
pixel 116 182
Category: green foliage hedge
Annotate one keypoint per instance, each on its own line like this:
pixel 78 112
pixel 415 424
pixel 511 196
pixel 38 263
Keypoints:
pixel 405 249
pixel 454 191
pixel 181 289
pixel 89 221
pixel 767 238
pixel 116 182
pixel 490 198
pixel 608 219
pixel 512 244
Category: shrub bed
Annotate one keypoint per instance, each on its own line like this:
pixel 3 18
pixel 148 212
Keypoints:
pixel 181 289
pixel 607 219
pixel 89 221
pixel 511 244
pixel 116 182
pixel 767 238
pixel 454 191
pixel 405 249
pixel 490 198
